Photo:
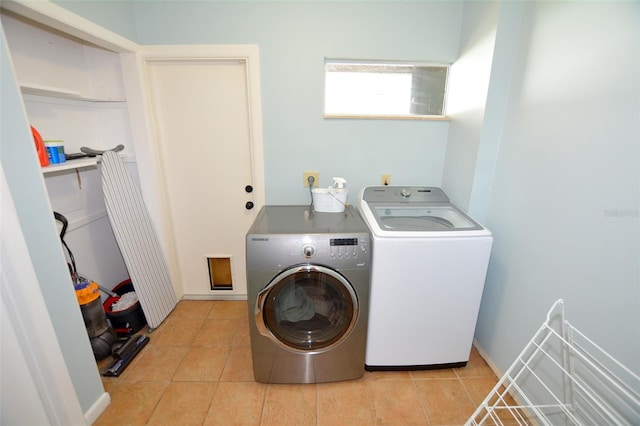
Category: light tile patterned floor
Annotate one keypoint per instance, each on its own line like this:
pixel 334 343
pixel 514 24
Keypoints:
pixel 196 370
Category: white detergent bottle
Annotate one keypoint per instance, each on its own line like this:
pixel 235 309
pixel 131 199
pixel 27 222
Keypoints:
pixel 339 183
pixel 339 192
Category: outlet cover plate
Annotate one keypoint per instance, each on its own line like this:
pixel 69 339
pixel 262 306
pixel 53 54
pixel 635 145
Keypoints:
pixel 305 181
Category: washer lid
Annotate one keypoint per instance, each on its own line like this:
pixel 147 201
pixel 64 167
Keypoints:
pixel 422 218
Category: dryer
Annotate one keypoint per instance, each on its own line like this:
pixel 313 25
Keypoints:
pixel 308 294
pixel 429 266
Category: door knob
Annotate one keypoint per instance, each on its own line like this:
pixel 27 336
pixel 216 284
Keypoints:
pixel 248 189
pixel 249 205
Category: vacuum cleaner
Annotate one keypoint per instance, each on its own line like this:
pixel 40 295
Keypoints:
pixel 104 340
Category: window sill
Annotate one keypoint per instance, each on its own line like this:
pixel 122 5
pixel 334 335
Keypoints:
pixel 388 117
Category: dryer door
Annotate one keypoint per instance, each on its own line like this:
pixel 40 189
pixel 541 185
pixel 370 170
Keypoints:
pixel 307 308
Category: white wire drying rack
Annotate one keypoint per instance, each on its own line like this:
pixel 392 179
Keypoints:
pixel 562 378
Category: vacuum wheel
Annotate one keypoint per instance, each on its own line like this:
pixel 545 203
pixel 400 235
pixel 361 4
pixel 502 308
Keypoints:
pixel 103 343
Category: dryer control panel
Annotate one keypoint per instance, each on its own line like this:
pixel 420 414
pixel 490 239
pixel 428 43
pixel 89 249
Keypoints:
pixel 274 252
pixel 282 236
pixel 337 251
pixel 345 248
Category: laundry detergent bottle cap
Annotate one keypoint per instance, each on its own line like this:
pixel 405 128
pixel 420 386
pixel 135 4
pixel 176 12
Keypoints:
pixel 339 183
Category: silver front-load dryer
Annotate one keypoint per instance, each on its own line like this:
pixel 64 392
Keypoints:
pixel 308 289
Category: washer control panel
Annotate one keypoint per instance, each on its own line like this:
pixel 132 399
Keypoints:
pixel 404 194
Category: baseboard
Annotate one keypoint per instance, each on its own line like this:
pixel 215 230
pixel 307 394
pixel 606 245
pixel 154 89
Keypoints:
pixel 214 297
pixel 97 408
pixel 487 359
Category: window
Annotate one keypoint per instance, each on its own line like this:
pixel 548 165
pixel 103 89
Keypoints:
pixel 378 89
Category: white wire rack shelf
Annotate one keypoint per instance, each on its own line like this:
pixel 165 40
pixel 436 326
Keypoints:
pixel 562 378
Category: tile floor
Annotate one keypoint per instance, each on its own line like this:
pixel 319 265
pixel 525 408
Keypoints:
pixel 197 370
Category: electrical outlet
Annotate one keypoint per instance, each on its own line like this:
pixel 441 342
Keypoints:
pixel 305 179
pixel 386 180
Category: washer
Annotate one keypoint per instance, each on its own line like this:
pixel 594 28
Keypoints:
pixel 308 294
pixel 429 265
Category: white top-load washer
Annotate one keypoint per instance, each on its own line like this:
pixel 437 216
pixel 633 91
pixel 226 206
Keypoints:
pixel 428 271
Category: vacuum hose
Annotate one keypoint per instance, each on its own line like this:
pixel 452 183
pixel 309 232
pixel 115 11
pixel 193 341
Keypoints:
pixel 74 271
pixel 63 231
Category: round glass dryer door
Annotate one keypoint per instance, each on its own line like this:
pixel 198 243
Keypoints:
pixel 307 308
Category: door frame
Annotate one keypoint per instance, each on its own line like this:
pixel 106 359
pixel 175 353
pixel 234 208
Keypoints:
pixel 26 329
pixel 146 141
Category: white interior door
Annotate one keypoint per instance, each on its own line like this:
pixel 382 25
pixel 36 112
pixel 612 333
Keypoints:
pixel 205 107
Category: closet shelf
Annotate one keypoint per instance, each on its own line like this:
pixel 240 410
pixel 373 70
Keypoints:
pixel 56 92
pixel 71 164
pixel 84 162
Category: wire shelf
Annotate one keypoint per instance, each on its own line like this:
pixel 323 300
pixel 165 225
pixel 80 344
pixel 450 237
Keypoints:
pixel 562 378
